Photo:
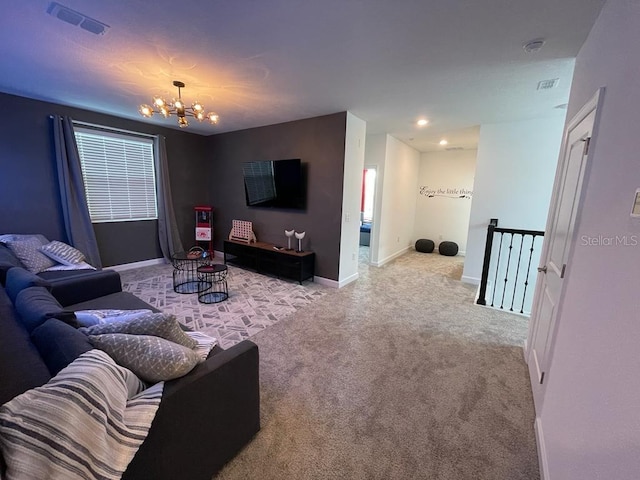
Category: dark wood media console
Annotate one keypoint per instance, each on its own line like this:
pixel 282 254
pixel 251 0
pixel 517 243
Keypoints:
pixel 266 258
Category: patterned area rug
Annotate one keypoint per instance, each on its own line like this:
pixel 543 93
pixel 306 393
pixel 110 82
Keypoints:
pixel 255 301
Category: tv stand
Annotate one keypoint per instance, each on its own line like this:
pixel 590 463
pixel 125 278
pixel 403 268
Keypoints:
pixel 266 258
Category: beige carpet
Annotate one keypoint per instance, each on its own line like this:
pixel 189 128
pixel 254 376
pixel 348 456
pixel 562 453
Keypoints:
pixel 396 376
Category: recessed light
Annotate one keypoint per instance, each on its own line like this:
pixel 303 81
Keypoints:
pixel 443 142
pixel 422 122
pixel 534 45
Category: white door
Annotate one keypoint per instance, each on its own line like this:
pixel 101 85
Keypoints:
pixel 558 241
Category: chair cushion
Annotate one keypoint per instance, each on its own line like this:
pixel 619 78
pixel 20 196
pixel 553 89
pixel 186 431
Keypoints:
pixel 21 367
pixel 35 305
pixel 18 279
pixel 7 260
pixel 59 344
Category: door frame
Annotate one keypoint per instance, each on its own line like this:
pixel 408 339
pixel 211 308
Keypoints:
pixel 374 221
pixel 594 104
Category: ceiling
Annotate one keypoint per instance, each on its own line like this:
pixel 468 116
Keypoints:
pixel 458 63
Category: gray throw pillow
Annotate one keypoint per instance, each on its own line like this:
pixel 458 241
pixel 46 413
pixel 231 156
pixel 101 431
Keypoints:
pixel 153 359
pixel 28 252
pixel 157 324
pixel 62 253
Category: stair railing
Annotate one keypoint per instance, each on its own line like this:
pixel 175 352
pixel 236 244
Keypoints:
pixel 514 271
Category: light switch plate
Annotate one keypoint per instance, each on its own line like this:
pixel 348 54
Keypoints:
pixel 635 210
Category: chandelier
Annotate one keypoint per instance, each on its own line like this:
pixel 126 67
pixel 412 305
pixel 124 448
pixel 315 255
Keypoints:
pixel 178 108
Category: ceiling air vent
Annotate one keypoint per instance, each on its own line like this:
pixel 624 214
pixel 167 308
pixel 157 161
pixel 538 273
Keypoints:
pixel 76 18
pixel 453 148
pixel 548 84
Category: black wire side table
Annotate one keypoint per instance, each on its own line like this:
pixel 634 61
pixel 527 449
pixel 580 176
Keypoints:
pixel 185 273
pixel 216 276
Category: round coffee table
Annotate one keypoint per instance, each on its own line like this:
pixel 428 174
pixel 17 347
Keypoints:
pixel 215 275
pixel 185 273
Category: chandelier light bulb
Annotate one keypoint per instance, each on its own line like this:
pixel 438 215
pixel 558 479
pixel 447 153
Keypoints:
pixel 146 111
pixel 178 107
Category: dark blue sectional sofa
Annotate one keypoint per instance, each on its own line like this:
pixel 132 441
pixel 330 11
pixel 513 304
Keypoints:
pixel 204 418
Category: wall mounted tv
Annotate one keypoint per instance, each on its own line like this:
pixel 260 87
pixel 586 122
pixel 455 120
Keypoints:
pixel 275 183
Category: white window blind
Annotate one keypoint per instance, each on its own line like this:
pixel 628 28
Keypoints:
pixel 119 175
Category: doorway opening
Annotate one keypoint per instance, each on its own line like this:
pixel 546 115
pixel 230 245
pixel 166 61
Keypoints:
pixel 367 212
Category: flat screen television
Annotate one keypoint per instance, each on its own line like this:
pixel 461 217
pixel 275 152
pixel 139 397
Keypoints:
pixel 275 183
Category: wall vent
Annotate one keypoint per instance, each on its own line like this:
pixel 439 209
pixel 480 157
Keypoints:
pixel 548 84
pixel 77 19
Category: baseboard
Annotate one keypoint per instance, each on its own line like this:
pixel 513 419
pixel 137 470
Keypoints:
pixel 461 253
pixel 348 280
pixel 143 263
pixel 470 280
pixel 384 261
pixel 542 451
pixel 327 282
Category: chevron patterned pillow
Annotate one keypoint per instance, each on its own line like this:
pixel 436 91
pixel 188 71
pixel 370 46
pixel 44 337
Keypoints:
pixel 62 253
pixel 163 325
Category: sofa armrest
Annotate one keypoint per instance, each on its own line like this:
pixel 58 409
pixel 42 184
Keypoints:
pixel 86 286
pixel 204 418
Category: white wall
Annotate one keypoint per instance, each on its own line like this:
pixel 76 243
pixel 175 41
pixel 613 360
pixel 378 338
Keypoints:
pixel 515 170
pixel 397 166
pixel 354 149
pixel 444 216
pixel 589 425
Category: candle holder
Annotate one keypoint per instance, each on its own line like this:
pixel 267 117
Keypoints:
pixel 289 234
pixel 300 236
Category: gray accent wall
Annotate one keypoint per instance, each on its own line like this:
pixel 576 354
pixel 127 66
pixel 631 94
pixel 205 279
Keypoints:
pixel 319 142
pixel 29 196
pixel 203 171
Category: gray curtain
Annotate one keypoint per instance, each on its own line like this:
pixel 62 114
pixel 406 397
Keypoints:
pixel 77 222
pixel 168 234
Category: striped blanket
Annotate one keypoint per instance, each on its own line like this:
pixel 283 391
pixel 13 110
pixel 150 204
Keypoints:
pixel 86 423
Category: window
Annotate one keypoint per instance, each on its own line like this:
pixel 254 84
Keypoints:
pixel 119 175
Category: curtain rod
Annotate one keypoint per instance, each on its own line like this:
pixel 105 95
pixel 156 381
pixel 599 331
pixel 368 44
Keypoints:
pixel 110 129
